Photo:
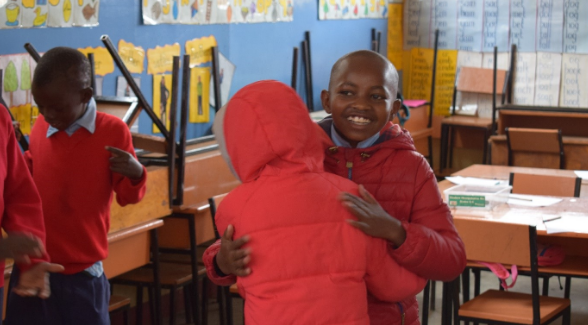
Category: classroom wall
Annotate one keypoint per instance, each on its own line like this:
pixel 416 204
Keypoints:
pixel 259 51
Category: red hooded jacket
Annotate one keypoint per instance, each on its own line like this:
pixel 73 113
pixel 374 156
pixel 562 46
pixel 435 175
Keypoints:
pixel 310 266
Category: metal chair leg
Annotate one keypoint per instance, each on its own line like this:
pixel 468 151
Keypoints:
pixel 139 311
pixel 172 306
pixel 433 294
pixel 425 316
pixel 187 306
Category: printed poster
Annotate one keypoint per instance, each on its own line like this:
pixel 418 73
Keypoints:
pixel 10 14
pixel 421 74
pixel 34 14
pixel 575 33
pixel 523 21
pixel 16 88
pixel 352 9
pixel 132 56
pixel 496 25
pixel 199 50
pixel 103 62
pixel 524 79
pixel 161 59
pixel 470 21
pixel 160 11
pixel 162 87
pixel 444 18
pixel 574 80
pixel 548 75
pixel 417 20
pixel 444 81
pixel 549 26
pixel 60 13
pixel 86 12
pixel 226 72
pixel 123 89
pixel 199 95
pixel 395 37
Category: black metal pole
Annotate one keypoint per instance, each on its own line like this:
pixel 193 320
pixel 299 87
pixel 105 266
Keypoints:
pixel 493 126
pixel 181 152
pixel 173 109
pixel 513 66
pixel 32 51
pixel 306 75
pixel 309 69
pixel 143 103
pixel 216 79
pixel 378 41
pixel 294 68
pixel 92 73
pixel 433 79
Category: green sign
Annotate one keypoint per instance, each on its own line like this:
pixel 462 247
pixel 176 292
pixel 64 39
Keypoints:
pixel 478 201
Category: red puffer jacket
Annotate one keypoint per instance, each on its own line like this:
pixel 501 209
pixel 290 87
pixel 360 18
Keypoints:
pixel 309 266
pixel 403 183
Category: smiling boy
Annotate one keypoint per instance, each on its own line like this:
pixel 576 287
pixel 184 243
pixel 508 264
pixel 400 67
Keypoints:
pixel 400 200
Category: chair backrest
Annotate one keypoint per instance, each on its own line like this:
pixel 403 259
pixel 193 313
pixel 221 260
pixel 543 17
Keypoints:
pixel 549 185
pixel 529 140
pixel 479 80
pixel 214 202
pixel 497 242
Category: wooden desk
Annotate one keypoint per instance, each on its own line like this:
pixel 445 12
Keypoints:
pixel 571 122
pixel 503 173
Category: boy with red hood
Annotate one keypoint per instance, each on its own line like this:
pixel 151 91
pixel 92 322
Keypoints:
pixel 311 266
pixel 406 207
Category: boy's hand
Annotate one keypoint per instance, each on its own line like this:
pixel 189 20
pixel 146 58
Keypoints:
pixel 372 219
pixel 125 164
pixel 21 247
pixel 231 259
pixel 35 281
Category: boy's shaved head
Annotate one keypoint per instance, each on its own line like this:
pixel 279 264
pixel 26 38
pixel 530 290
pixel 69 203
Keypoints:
pixel 391 73
pixel 63 62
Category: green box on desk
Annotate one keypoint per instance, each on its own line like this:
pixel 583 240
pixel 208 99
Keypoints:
pixel 476 196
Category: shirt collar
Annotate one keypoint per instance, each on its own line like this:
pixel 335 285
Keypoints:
pixel 340 142
pixel 87 121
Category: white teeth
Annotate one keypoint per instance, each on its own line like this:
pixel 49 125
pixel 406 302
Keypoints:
pixel 358 120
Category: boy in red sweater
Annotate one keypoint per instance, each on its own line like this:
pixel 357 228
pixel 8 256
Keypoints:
pixel 77 157
pixel 21 217
pixel 369 150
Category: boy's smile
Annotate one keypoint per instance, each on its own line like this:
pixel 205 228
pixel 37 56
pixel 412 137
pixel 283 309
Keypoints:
pixel 361 96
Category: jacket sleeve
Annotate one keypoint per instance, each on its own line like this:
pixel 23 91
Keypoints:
pixel 432 248
pixel 128 191
pixel 385 279
pixel 23 212
pixel 208 258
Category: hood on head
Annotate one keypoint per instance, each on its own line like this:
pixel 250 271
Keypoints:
pixel 266 129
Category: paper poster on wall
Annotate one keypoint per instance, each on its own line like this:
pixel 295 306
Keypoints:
pixel 575 32
pixel 421 73
pixel 574 80
pixel 549 26
pixel 10 14
pixel 503 60
pixel 470 21
pixel 161 98
pixel 395 38
pixel 123 89
pixel 60 13
pixel 199 50
pixel 86 12
pixel 199 95
pixel 103 63
pixel 352 9
pixel 405 74
pixel 160 59
pixel 160 11
pixel 191 12
pixel 444 81
pixel 524 79
pixel 417 20
pixel 444 18
pixel 226 72
pixel 99 81
pixel 132 56
pixel 34 14
pixel 16 89
pixel 523 21
pixel 496 25
pixel 547 82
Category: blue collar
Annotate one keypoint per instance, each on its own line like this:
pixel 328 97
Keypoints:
pixel 87 121
pixel 340 142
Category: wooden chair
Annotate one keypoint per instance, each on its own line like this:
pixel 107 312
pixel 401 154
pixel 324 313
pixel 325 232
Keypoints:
pixel 535 148
pixel 472 80
pixel 508 244
pixel 548 185
pixel 120 304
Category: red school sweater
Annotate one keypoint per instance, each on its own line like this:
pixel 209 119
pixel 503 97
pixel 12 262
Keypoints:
pixel 20 205
pixel 75 183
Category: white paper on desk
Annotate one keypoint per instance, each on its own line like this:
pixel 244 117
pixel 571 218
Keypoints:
pixel 536 201
pixel 583 174
pixel 459 180
pixel 578 224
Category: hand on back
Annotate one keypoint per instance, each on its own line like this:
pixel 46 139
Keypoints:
pixel 372 219
pixel 232 259
pixel 21 247
pixel 125 164
pixel 35 281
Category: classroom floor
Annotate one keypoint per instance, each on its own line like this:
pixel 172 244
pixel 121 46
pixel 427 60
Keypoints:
pixel 579 296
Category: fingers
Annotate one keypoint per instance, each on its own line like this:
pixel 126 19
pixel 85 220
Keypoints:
pixel 116 152
pixel 54 268
pixel 359 225
pixel 367 196
pixel 25 291
pixel 228 234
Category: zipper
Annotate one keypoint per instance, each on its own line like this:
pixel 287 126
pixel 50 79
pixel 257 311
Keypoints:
pixel 402 314
pixel 349 166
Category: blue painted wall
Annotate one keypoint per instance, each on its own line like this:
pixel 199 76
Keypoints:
pixel 260 51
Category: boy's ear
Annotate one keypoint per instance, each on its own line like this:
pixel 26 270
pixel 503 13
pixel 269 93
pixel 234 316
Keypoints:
pixel 325 100
pixel 395 108
pixel 87 94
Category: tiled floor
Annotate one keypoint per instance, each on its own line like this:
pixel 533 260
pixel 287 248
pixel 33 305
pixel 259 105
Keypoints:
pixel 579 296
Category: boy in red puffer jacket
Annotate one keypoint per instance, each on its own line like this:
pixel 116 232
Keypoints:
pixel 406 207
